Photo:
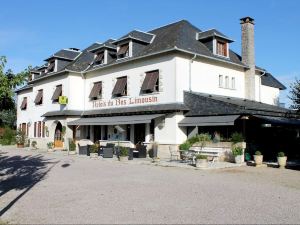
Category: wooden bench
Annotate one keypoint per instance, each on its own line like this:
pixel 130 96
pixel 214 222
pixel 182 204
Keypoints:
pixel 213 152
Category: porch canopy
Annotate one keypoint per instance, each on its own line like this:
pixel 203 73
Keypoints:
pixel 208 121
pixel 115 120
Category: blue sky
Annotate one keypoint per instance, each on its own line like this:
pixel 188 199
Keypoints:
pixel 32 30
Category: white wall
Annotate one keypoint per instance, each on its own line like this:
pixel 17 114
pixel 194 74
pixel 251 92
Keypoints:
pixel 269 95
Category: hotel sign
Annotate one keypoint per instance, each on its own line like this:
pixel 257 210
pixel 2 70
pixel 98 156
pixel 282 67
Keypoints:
pixel 124 102
pixel 63 100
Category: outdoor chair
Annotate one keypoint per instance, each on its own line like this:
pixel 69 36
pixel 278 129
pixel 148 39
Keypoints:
pixel 174 153
pixel 83 150
pixel 142 151
pixel 108 152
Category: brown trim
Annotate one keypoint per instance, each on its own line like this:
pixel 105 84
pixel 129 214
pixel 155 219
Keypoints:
pixel 24 104
pixel 96 90
pixel 39 97
pixel 34 129
pixel 43 129
pixel 39 129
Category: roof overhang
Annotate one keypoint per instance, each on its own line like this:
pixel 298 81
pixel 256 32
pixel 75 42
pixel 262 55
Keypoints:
pixel 279 120
pixel 208 121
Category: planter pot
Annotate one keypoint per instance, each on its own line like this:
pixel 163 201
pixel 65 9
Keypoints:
pixel 50 150
pixel 282 162
pixel 123 158
pixel 238 159
pixel 72 152
pixel 20 145
pixel 201 163
pixel 258 159
pixel 155 160
pixel 94 155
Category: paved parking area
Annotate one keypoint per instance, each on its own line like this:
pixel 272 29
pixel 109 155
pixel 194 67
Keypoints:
pixel 52 188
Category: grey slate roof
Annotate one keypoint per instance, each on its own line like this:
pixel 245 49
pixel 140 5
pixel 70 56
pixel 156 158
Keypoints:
pixel 65 54
pixel 106 44
pixel 269 80
pixel 212 33
pixel 208 105
pixel 137 35
pixel 26 87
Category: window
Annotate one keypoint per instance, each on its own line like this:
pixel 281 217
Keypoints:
pixel 51 67
pixel 96 92
pixel 220 80
pixel 57 93
pixel 221 48
pixel 39 97
pixel 233 83
pixel 24 104
pixel 23 128
pixel 34 129
pixel 99 59
pixel 27 132
pixel 123 51
pixel 120 88
pixel 39 129
pixel 226 82
pixel 151 82
pixel 43 129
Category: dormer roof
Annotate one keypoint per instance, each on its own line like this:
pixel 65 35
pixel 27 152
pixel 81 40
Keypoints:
pixel 106 45
pixel 211 34
pixel 138 36
pixel 67 54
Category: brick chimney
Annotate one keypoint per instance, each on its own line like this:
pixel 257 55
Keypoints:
pixel 248 56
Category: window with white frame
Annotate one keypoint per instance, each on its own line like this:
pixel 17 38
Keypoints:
pixel 220 80
pixel 226 82
pixel 233 83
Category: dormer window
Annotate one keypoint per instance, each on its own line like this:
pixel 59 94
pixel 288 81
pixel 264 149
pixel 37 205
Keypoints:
pixel 222 48
pixel 51 67
pixel 123 51
pixel 99 58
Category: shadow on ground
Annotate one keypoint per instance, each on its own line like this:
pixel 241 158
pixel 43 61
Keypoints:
pixel 21 173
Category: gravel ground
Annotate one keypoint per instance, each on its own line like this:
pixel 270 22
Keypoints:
pixel 51 188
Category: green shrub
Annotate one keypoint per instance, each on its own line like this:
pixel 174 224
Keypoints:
pixel 123 151
pixel 237 137
pixel 185 146
pixel 8 137
pixel 257 153
pixel 193 140
pixel 94 149
pixel 237 151
pixel 281 154
pixel 204 138
pixel 20 137
pixel 72 145
pixel 33 144
pixel 201 156
pixel 50 145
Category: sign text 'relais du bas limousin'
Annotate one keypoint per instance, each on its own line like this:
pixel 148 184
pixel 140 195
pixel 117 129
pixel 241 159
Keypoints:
pixel 124 102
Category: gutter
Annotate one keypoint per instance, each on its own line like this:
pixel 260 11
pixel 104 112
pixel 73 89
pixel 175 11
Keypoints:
pixel 190 71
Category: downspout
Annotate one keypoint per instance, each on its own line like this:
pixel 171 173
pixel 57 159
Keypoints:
pixel 260 85
pixel 190 71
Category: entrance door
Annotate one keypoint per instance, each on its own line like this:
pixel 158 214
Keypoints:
pixel 58 143
pixel 97 133
pixel 139 133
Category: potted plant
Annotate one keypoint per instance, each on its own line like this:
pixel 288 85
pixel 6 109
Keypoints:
pixel 33 145
pixel 184 147
pixel 155 159
pixel 20 138
pixel 72 147
pixel 123 154
pixel 94 151
pixel 201 161
pixel 50 146
pixel 238 152
pixel 203 138
pixel 258 158
pixel 281 158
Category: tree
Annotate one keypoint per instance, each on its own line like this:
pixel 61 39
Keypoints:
pixel 295 95
pixel 8 82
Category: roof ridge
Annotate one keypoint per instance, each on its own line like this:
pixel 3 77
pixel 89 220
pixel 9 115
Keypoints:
pixel 169 24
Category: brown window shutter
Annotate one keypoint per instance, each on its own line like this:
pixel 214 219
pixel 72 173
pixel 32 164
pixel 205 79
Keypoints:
pixel 39 97
pixel 24 103
pixel 150 81
pixel 99 58
pixel 39 129
pixel 34 129
pixel 57 93
pixel 123 49
pixel 27 133
pixel 43 129
pixel 51 67
pixel 120 86
pixel 23 128
pixel 96 90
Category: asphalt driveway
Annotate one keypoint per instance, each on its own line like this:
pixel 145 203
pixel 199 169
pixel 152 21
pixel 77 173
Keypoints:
pixel 50 188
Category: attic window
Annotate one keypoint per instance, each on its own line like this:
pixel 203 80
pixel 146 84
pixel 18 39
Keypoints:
pixel 51 67
pixel 123 51
pixel 24 104
pixel 222 48
pixel 120 88
pixel 99 59
pixel 96 92
pixel 151 82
